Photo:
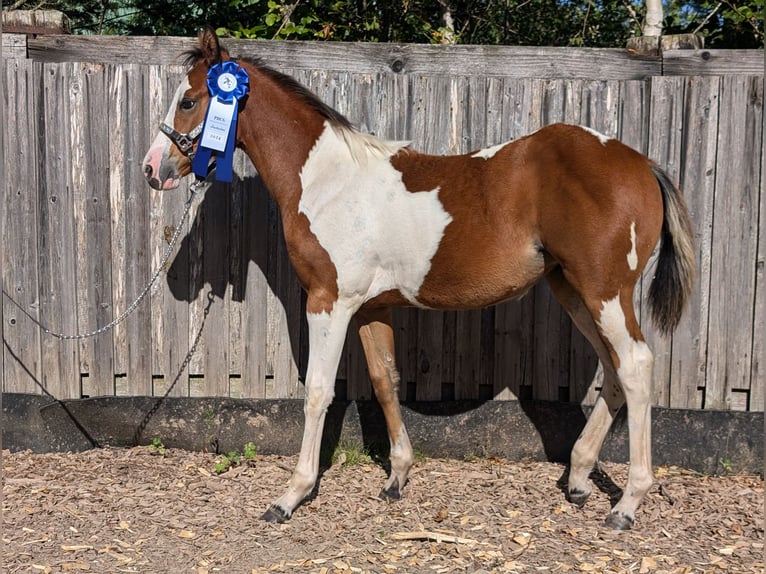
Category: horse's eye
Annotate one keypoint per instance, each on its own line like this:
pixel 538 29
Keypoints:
pixel 187 104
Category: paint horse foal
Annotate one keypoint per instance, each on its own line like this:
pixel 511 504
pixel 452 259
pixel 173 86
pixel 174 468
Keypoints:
pixel 371 224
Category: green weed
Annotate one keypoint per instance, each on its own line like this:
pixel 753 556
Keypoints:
pixel 156 448
pixel 234 458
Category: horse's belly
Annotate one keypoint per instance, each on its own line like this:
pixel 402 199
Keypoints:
pixel 483 278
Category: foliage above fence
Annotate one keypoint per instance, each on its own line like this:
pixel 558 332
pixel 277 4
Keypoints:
pixel 82 231
pixel 723 24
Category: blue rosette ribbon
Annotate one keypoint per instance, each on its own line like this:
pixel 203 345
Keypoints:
pixel 227 83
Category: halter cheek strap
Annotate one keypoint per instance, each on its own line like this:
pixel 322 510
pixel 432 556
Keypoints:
pixel 183 141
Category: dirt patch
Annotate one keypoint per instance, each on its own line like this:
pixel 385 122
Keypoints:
pixel 125 510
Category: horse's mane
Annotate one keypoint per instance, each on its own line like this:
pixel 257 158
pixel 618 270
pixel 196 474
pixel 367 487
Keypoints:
pixel 357 141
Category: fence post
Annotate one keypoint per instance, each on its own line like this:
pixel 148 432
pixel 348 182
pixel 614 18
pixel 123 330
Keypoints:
pixel 656 45
pixel 35 22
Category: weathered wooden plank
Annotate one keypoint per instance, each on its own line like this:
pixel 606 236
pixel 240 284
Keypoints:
pixel 117 115
pixel 551 346
pixel 697 182
pixel 3 210
pixel 406 344
pixel 735 237
pixel 13 45
pixel 58 304
pixel 430 338
pixel 634 114
pixel 359 386
pixel 196 293
pixel 254 299
pixel 238 264
pixel 449 354
pixel 467 355
pixel 665 140
pixel 514 349
pixel 284 317
pixel 392 116
pixel 21 337
pixel 137 214
pixel 170 298
pixel 215 273
pixel 365 58
pixel 94 229
pixel 79 178
pixel 713 62
pixel 758 370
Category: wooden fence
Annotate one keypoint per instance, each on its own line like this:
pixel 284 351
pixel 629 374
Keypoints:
pixel 82 232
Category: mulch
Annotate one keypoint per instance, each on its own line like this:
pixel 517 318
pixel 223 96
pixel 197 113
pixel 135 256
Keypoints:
pixel 126 510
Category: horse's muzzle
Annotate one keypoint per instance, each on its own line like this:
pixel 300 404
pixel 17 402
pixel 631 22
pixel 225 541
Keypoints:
pixel 159 174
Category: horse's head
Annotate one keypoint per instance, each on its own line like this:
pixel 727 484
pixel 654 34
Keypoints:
pixel 169 157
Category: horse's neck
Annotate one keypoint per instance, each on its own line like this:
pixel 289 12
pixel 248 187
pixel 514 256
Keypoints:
pixel 277 131
pixel 295 147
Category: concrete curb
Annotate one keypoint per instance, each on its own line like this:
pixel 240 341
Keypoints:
pixel 705 441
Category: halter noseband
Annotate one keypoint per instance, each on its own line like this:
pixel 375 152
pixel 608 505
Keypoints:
pixel 183 141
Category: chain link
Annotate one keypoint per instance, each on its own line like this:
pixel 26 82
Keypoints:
pixel 137 435
pixel 194 189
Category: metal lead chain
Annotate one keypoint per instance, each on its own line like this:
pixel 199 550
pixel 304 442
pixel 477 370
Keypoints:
pixel 194 189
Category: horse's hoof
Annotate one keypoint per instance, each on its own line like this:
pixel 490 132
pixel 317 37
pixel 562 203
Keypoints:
pixel 392 492
pixel 618 521
pixel 275 514
pixel 578 497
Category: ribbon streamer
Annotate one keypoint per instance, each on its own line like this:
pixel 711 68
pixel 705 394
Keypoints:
pixel 227 83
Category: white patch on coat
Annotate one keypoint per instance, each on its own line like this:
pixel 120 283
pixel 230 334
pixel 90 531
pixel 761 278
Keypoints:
pixel 161 141
pixel 327 333
pixel 183 87
pixel 634 356
pixel 379 235
pixel 489 152
pixel 632 255
pixel 635 377
pixel 601 137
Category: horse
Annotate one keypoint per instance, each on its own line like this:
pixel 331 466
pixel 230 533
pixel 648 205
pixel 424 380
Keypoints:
pixel 372 224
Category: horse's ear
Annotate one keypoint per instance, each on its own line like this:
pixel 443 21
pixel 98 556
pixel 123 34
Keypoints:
pixel 211 49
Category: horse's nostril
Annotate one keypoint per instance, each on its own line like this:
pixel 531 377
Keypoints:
pixel 148 170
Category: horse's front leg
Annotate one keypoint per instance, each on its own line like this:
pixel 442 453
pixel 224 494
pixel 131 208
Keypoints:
pixel 377 335
pixel 327 333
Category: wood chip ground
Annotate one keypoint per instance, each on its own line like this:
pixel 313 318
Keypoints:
pixel 124 510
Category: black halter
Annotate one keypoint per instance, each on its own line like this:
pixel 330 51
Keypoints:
pixel 183 141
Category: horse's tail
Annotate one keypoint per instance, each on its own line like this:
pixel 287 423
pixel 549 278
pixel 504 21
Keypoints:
pixel 676 264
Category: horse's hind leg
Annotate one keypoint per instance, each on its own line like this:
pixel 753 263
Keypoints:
pixel 631 355
pixel 377 335
pixel 588 445
pixel 631 360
